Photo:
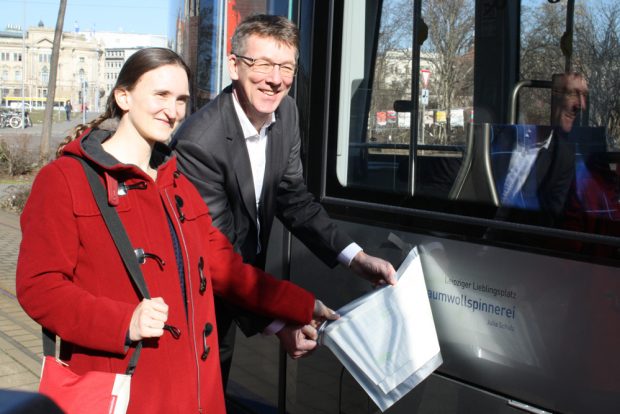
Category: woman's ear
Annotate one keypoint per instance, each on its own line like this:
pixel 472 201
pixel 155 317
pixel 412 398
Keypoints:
pixel 121 96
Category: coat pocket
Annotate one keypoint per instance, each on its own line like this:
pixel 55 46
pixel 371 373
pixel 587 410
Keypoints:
pixel 84 204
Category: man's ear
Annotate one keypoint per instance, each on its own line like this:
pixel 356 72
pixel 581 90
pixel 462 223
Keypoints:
pixel 232 67
pixel 121 96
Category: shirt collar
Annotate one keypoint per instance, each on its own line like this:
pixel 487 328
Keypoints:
pixel 248 129
pixel 547 142
pixel 527 139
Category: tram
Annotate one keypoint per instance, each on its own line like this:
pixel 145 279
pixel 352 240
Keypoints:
pixel 485 132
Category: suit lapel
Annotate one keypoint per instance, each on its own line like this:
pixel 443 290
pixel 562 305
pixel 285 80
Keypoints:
pixel 273 164
pixel 544 161
pixel 243 172
pixel 238 152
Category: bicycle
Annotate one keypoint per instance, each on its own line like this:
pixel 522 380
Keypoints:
pixel 4 119
pixel 14 120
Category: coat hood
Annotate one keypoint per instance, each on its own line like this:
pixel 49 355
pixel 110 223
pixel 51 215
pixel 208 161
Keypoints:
pixel 88 146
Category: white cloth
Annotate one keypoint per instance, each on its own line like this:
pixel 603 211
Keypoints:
pixel 387 338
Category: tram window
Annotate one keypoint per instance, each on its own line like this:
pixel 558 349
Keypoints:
pixel 378 69
pixel 373 139
pixel 580 103
pixel 520 166
pixel 594 54
pixel 446 84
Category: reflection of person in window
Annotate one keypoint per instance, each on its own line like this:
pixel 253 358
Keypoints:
pixel 593 208
pixel 534 165
pixel 595 196
pixel 529 155
pixel 568 100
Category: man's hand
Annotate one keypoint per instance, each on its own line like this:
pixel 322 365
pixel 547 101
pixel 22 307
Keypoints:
pixel 298 341
pixel 373 269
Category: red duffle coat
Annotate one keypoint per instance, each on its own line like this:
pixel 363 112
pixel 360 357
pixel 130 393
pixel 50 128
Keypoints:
pixel 71 280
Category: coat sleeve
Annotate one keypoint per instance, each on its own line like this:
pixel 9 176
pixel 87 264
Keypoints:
pixel 252 288
pixel 46 266
pixel 300 212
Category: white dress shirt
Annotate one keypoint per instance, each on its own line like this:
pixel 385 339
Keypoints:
pixel 256 143
pixel 521 162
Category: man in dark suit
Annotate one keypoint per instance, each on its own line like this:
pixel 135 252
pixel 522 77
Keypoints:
pixel 533 169
pixel 242 152
pixel 534 165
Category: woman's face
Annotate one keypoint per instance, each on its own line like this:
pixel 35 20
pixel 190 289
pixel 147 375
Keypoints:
pixel 157 103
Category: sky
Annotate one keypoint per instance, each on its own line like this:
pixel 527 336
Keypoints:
pixel 130 16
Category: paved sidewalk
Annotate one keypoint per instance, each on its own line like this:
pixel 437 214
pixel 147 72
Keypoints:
pixel 31 136
pixel 20 336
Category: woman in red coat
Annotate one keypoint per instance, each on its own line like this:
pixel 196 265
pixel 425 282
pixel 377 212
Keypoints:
pixel 71 280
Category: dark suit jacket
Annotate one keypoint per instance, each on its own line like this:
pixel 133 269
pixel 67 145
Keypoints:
pixel 212 152
pixel 543 197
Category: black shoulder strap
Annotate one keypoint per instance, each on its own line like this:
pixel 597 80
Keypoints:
pixel 116 228
pixel 123 245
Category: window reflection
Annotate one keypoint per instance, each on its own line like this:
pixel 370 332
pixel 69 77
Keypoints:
pixel 584 105
pixel 376 123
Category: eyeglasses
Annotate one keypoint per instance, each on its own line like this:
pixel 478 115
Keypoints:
pixel 571 93
pixel 287 70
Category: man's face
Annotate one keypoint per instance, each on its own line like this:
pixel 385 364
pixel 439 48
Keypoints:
pixel 260 94
pixel 570 92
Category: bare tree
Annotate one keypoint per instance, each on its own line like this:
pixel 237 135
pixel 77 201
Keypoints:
pixel 393 52
pixel 597 47
pixel 393 63
pixel 51 88
pixel 396 26
pixel 450 42
pixel 542 27
pixel 596 54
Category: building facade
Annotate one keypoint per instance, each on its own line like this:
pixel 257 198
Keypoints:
pixel 117 47
pixel 88 65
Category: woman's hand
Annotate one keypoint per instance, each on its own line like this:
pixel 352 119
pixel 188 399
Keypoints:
pixel 148 319
pixel 322 313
